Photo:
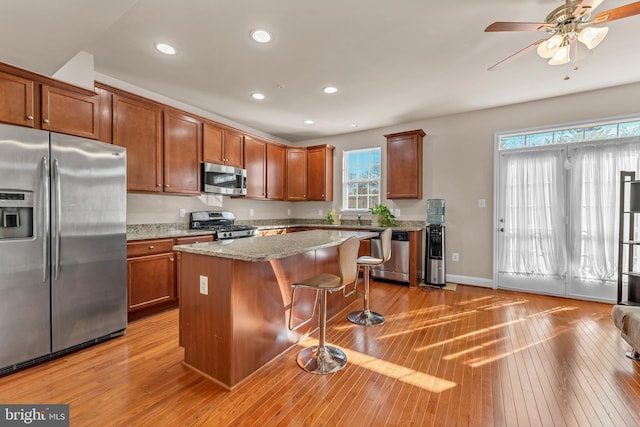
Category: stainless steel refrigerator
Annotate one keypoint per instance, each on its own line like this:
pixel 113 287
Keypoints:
pixel 62 244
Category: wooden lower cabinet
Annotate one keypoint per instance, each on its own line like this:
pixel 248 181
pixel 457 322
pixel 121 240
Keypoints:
pixel 152 273
pixel 151 280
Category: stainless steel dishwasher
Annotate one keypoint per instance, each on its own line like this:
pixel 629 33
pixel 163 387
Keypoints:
pixel 397 268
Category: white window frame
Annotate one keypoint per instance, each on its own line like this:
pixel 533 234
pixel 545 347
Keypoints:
pixel 346 181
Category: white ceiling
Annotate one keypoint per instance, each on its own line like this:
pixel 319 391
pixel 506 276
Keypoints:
pixel 394 61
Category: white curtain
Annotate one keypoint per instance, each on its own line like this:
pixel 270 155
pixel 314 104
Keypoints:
pixel 533 241
pixel 595 205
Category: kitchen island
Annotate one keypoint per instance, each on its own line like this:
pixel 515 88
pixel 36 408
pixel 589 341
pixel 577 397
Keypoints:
pixel 235 298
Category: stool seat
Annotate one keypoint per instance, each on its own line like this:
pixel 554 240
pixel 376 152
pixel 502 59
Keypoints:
pixel 322 281
pixel 366 259
pixel 323 358
pixel 366 317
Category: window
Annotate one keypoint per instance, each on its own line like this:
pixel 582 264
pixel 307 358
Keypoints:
pixel 599 132
pixel 361 179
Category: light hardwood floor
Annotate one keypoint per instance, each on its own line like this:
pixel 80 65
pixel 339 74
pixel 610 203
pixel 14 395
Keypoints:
pixel 473 356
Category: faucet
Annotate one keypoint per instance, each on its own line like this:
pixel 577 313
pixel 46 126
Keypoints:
pixel 359 218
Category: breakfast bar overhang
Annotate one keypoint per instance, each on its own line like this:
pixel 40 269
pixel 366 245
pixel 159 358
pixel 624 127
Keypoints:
pixel 235 298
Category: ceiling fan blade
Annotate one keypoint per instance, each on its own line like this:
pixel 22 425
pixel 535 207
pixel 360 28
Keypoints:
pixel 517 26
pixel 515 55
pixel 617 13
pixel 586 7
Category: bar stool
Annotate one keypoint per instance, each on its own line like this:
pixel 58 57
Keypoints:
pixel 326 359
pixel 367 317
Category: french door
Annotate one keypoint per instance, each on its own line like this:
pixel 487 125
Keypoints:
pixel 531 229
pixel 558 218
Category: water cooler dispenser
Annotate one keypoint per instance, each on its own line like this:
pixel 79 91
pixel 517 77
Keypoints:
pixel 435 255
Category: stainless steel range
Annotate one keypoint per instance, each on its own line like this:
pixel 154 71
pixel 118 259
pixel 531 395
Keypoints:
pixel 223 223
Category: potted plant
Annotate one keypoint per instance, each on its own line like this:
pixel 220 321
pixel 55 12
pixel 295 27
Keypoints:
pixel 332 218
pixel 381 216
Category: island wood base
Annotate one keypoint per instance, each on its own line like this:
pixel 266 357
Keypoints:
pixel 241 324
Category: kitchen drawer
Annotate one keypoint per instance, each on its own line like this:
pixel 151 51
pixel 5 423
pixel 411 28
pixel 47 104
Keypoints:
pixel 194 239
pixel 149 247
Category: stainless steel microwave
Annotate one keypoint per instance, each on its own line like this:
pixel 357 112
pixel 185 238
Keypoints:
pixel 221 179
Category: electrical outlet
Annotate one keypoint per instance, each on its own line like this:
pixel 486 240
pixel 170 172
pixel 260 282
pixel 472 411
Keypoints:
pixel 204 285
pixel 455 257
pixel 182 212
pixel 396 212
pixel 482 203
pixel 251 212
pixel 320 213
pixel 289 212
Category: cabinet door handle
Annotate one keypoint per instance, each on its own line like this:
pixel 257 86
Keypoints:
pixel 151 246
pixel 167 186
pixel 29 117
pixel 158 185
pixel 171 259
pixel 45 120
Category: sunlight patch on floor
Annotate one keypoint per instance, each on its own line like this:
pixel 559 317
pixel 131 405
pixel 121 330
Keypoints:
pixel 392 370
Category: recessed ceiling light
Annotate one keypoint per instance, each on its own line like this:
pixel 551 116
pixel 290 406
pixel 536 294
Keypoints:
pixel 261 36
pixel 258 95
pixel 165 48
pixel 309 122
pixel 330 89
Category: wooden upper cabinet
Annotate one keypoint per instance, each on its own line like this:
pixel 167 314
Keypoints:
pixel 296 174
pixel 222 146
pixel 137 126
pixel 104 114
pixel 404 165
pixel 255 154
pixel 182 153
pixel 34 103
pixel 212 144
pixel 320 172
pixel 276 171
pixel 69 112
pixel 16 100
pixel 233 148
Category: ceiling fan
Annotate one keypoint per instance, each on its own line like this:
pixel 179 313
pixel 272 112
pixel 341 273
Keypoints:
pixel 566 26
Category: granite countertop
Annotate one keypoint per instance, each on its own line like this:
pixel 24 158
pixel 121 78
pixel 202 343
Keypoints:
pixel 266 248
pixel 162 231
pixel 348 226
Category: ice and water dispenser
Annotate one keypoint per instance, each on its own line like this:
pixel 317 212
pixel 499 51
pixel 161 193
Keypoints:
pixel 16 214
pixel 435 256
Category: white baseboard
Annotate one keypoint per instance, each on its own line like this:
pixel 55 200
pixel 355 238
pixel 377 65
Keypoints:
pixel 467 280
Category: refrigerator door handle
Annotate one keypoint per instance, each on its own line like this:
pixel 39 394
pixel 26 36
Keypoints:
pixel 58 216
pixel 45 219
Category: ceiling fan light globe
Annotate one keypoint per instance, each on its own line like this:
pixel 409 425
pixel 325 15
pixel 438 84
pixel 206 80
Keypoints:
pixel 549 47
pixel 561 56
pixel 591 37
